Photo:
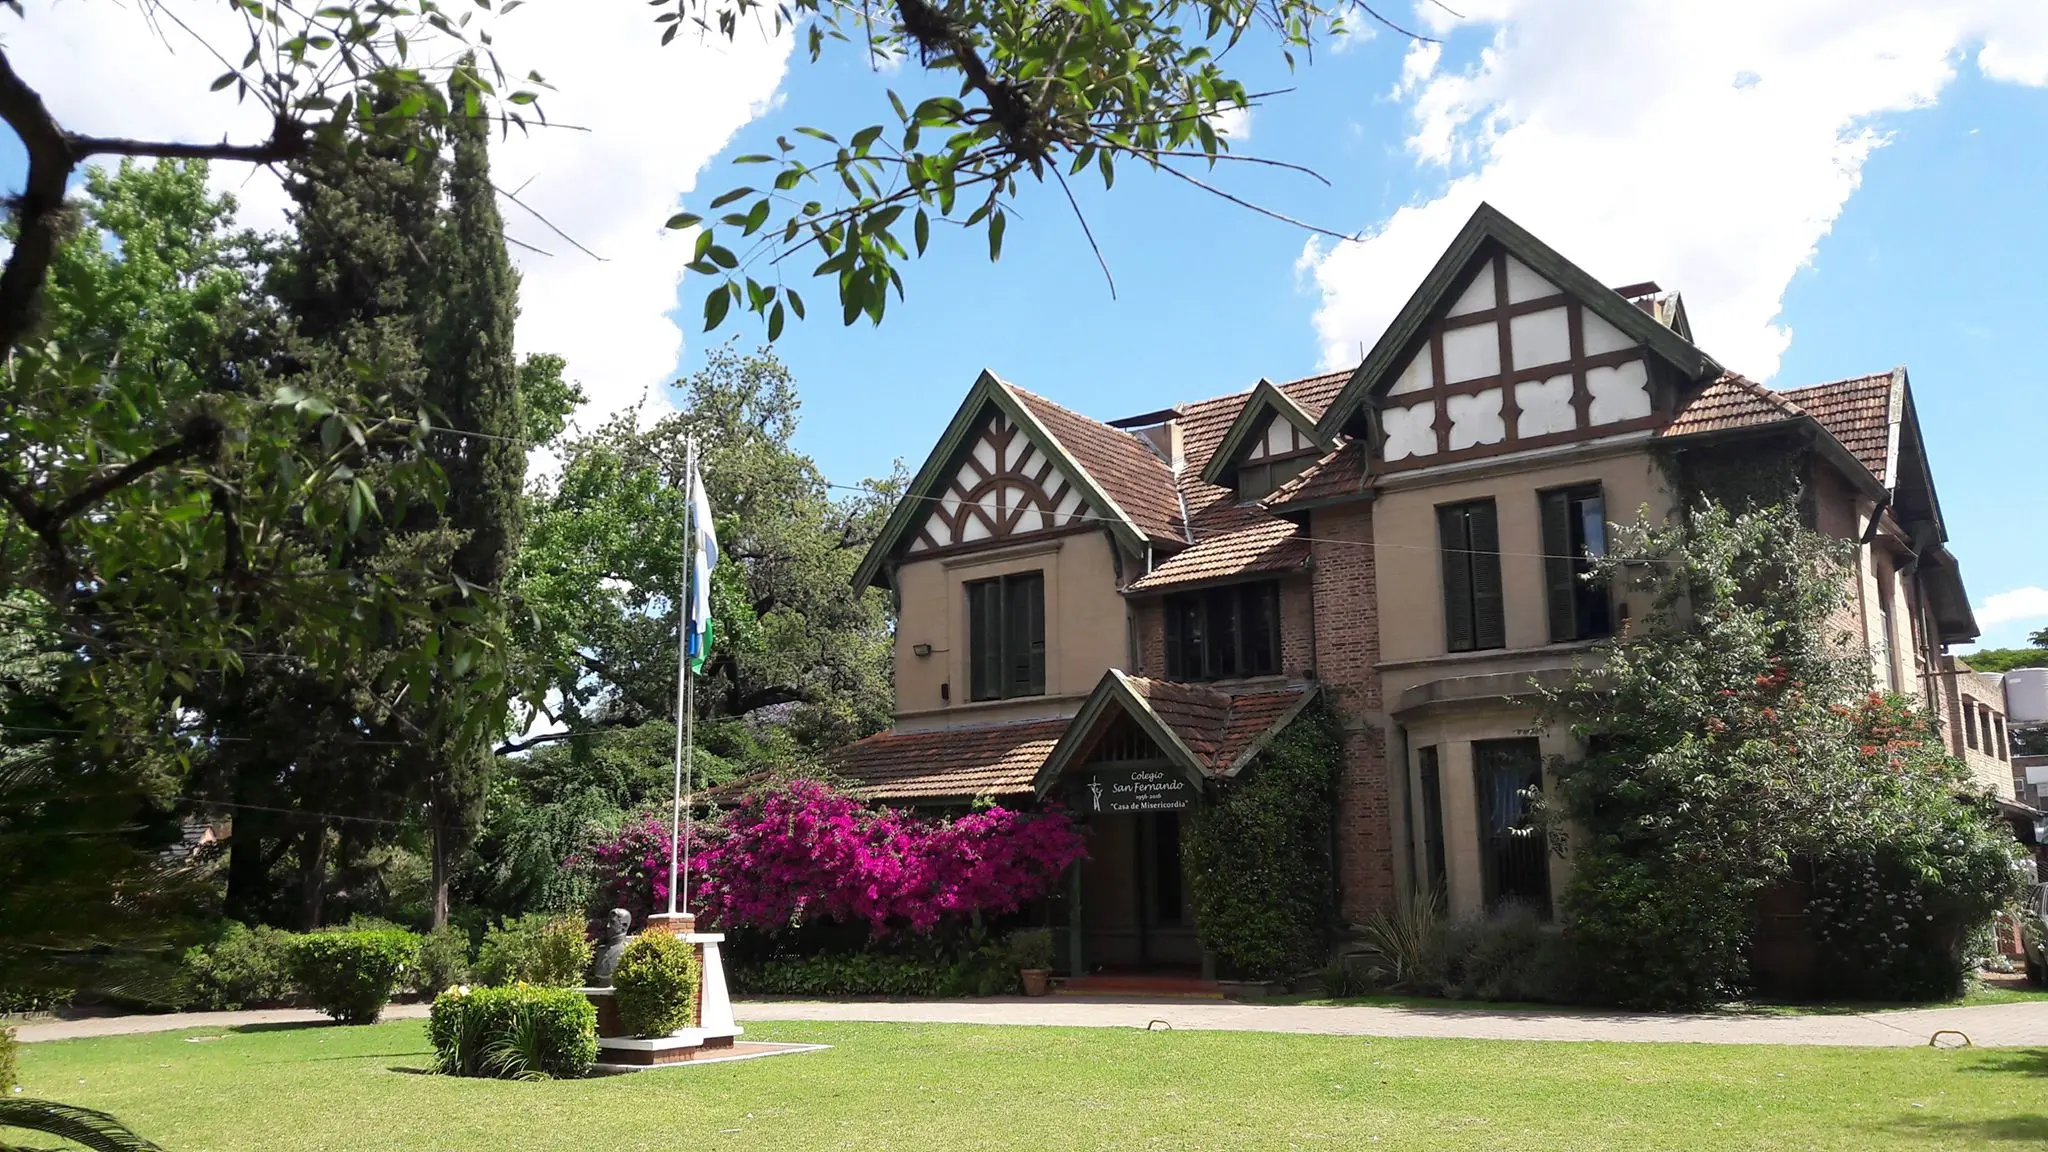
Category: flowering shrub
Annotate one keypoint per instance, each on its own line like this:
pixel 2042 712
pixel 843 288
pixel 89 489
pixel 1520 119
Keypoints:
pixel 803 852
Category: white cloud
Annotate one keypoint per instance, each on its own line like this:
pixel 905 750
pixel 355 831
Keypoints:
pixel 655 115
pixel 1707 146
pixel 1234 122
pixel 2030 603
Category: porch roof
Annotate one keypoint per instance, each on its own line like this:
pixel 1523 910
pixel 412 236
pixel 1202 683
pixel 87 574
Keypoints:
pixel 1203 730
pixel 947 763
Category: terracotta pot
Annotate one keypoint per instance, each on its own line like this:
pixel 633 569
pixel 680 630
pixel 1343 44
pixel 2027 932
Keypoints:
pixel 1035 980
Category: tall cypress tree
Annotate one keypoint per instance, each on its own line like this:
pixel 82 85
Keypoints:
pixel 472 385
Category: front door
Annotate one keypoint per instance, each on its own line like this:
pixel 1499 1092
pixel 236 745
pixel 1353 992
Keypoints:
pixel 1134 910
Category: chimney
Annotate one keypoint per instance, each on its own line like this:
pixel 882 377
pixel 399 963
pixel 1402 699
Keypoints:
pixel 1164 440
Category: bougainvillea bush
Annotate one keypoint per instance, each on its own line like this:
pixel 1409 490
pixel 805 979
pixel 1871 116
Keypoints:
pixel 801 852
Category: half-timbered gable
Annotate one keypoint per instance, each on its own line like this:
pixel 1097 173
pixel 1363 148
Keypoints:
pixel 1269 443
pixel 1004 486
pixel 1509 347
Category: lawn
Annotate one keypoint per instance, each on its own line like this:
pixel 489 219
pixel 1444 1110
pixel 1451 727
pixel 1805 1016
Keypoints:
pixel 942 1087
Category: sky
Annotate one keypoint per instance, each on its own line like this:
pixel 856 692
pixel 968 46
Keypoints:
pixel 1836 186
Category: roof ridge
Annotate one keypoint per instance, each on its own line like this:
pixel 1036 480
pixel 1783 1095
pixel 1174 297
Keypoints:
pixel 1283 386
pixel 1887 374
pixel 1771 396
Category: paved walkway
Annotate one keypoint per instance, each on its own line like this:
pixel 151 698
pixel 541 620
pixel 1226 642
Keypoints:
pixel 1992 1025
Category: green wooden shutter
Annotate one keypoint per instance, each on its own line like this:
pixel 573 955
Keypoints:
pixel 1489 625
pixel 1559 565
pixel 1455 545
pixel 984 640
pixel 1024 638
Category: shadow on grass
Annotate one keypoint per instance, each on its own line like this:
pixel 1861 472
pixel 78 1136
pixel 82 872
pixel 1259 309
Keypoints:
pixel 284 1026
pixel 2023 1061
pixel 2030 1130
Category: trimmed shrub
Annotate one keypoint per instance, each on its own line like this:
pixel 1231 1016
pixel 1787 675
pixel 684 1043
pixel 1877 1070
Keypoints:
pixel 443 961
pixel 517 1033
pixel 242 967
pixel 990 970
pixel 536 949
pixel 10 1071
pixel 655 985
pixel 351 975
pixel 1258 857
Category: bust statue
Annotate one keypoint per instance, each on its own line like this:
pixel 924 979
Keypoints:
pixel 617 925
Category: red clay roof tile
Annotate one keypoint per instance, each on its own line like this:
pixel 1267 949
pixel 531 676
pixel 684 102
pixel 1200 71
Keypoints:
pixel 1730 402
pixel 947 763
pixel 1857 412
pixel 1217 726
pixel 1340 473
pixel 1128 471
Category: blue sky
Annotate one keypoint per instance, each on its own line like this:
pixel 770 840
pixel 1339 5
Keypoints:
pixel 1836 186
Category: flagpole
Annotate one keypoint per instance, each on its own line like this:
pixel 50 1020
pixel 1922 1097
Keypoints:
pixel 690 706
pixel 685 726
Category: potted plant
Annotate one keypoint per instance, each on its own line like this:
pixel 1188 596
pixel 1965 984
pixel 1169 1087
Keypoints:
pixel 1031 948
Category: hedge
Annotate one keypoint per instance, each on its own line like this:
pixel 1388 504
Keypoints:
pixel 536 948
pixel 352 975
pixel 655 985
pixel 516 1033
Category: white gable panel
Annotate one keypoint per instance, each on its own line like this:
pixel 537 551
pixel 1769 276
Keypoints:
pixel 1525 284
pixel 985 454
pixel 1621 393
pixel 1475 419
pixel 1017 489
pixel 1417 376
pixel 1478 296
pixel 1540 338
pixel 1471 353
pixel 1600 336
pixel 1546 407
pixel 1410 431
pixel 1280 438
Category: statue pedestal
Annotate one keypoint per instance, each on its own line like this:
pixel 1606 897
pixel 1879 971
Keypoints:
pixel 714 1028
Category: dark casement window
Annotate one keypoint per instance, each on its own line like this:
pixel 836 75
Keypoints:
pixel 1470 537
pixel 1435 871
pixel 1514 858
pixel 1970 721
pixel 1006 636
pixel 1224 633
pixel 1574 532
pixel 1257 479
pixel 2004 745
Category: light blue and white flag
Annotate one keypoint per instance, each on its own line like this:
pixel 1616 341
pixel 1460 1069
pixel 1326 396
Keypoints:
pixel 703 558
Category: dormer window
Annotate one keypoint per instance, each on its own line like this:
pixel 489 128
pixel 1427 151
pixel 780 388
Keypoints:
pixel 1281 453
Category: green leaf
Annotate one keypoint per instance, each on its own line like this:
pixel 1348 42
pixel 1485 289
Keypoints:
pixel 715 307
pixel 729 197
pixel 775 322
pixel 922 229
pixel 684 220
pixel 995 234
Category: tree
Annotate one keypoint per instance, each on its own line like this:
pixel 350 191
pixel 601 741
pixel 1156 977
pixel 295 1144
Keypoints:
pixel 472 387
pixel 605 558
pixel 1725 748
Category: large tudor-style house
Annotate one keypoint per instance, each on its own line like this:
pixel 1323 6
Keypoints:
pixel 1119 612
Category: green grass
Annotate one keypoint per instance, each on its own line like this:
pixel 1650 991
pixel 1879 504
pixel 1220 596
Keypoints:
pixel 938 1088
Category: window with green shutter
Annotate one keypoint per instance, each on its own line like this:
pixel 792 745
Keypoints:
pixel 1469 535
pixel 1006 636
pixel 1574 532
pixel 1224 633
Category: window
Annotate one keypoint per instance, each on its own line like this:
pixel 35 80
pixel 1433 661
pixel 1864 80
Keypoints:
pixel 2004 746
pixel 1006 636
pixel 1984 714
pixel 1574 532
pixel 1470 537
pixel 1257 479
pixel 1435 872
pixel 1970 721
pixel 1886 667
pixel 1222 633
pixel 1514 859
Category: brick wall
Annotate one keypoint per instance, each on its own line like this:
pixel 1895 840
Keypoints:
pixel 1150 614
pixel 1298 626
pixel 1347 657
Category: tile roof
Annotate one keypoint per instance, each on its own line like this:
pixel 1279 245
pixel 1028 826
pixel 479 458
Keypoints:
pixel 947 763
pixel 1340 473
pixel 1203 423
pixel 1857 412
pixel 1217 726
pixel 1728 403
pixel 1231 540
pixel 1128 471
